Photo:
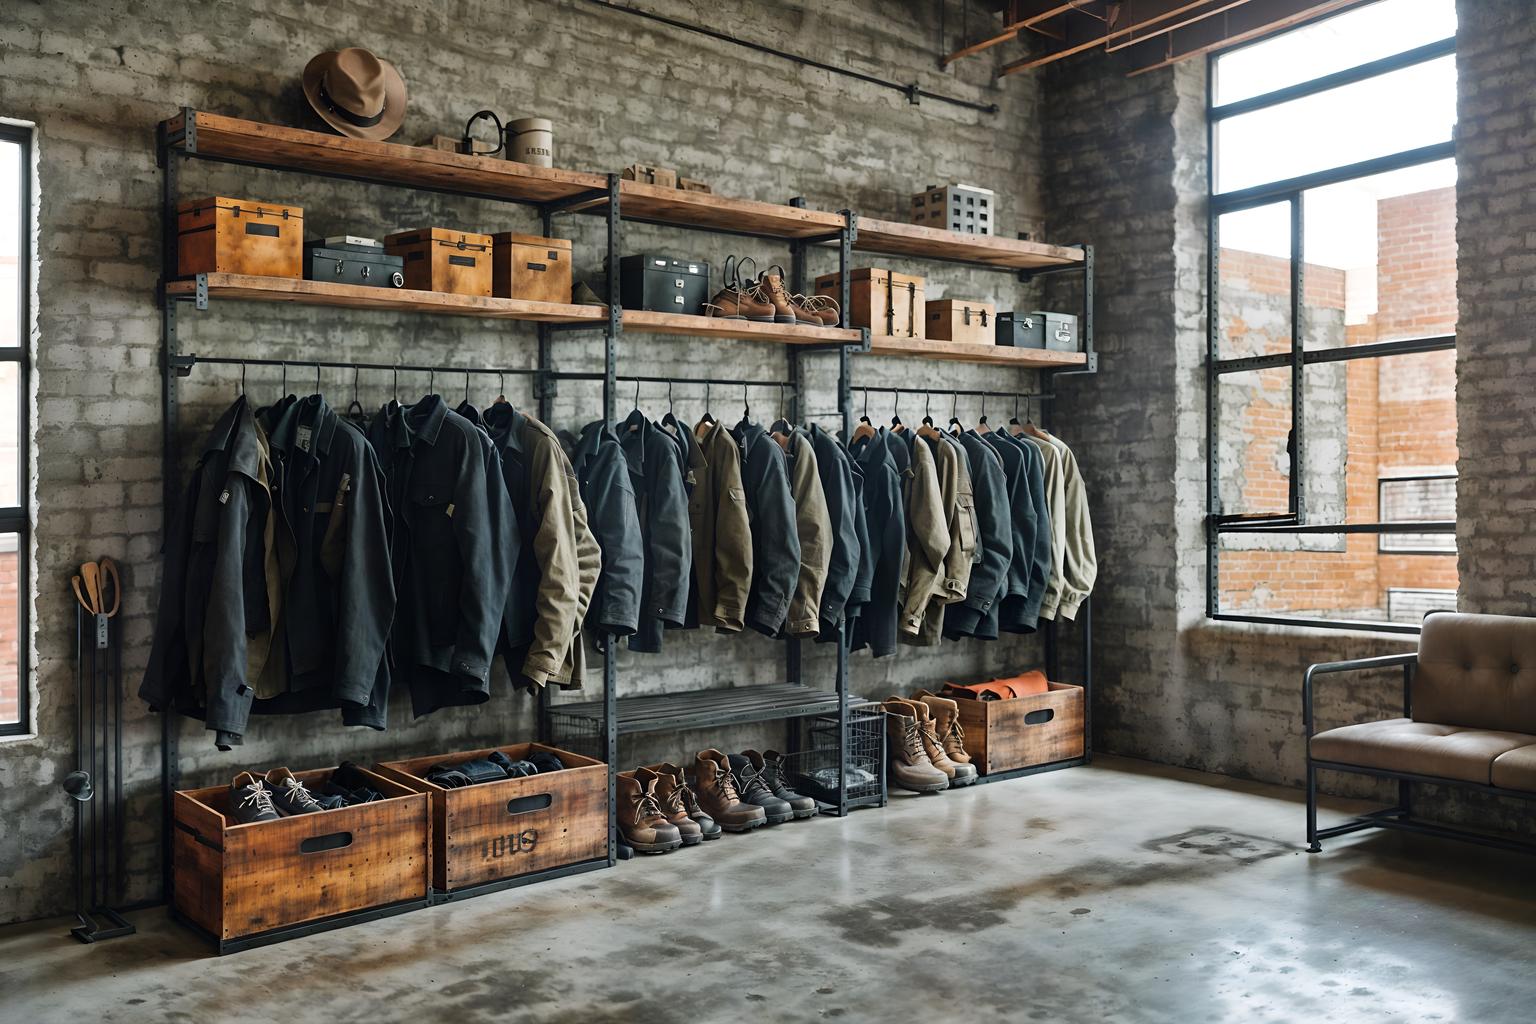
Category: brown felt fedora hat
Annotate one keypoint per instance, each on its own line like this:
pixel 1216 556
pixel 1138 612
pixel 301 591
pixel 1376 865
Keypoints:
pixel 356 93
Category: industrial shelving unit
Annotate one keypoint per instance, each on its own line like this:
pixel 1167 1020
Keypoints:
pixel 554 192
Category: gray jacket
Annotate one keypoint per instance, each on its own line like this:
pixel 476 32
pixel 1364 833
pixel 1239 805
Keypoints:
pixel 840 489
pixel 662 504
pixel 885 554
pixel 609 495
pixel 977 615
pixel 775 536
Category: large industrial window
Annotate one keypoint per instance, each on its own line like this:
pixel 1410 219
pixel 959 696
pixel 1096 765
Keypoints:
pixel 15 335
pixel 1332 328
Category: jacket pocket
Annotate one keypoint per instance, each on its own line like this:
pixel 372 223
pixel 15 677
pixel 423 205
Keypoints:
pixel 965 515
pixel 436 569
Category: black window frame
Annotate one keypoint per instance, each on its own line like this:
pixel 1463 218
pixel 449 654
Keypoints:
pixel 1294 520
pixel 17 519
pixel 1408 478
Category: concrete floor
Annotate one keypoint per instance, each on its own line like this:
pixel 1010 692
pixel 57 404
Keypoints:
pixel 1121 892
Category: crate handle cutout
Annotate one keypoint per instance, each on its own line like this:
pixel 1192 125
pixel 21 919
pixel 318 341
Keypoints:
pixel 524 804
pixel 322 844
pixel 262 229
pixel 1040 717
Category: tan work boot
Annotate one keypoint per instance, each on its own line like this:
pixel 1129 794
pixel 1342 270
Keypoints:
pixel 734 304
pixel 910 767
pixel 813 309
pixel 678 805
pixel 946 715
pixel 641 822
pixel 770 289
pixel 719 797
pixel 959 774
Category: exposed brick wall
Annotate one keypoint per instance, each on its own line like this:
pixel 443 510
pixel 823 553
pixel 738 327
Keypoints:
pixel 98 77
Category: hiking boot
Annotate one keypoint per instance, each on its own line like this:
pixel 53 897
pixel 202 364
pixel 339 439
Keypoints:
pixel 755 791
pixel 673 787
pixel 910 767
pixel 641 822
pixel 250 800
pixel 959 774
pixel 812 309
pixel 770 768
pixel 770 289
pixel 946 719
pixel 718 795
pixel 669 797
pixel 289 795
pixel 735 304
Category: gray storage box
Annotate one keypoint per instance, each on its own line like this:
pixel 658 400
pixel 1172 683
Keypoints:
pixel 1039 329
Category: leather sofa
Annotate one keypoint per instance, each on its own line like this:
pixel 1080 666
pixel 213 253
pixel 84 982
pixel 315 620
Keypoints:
pixel 1469 721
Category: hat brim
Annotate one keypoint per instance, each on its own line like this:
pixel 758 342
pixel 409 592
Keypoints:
pixel 394 100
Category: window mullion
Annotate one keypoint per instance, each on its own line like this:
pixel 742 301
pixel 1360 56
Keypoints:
pixel 1298 503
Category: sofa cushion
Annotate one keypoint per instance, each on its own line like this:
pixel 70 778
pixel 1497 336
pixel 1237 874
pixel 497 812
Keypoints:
pixel 1422 748
pixel 1516 769
pixel 1477 671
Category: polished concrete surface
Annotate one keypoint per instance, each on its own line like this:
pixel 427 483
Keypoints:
pixel 1120 892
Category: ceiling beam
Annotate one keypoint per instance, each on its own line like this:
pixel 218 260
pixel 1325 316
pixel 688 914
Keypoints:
pixel 1018 16
pixel 1127 21
pixel 1253 21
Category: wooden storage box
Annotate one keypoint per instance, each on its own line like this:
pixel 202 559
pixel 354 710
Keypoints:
pixel 891 305
pixel 443 260
pixel 499 830
pixel 530 267
pixel 962 320
pixel 1001 735
pixel 220 235
pixel 236 881
pixel 647 174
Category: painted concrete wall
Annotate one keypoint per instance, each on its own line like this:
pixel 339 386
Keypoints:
pixel 96 78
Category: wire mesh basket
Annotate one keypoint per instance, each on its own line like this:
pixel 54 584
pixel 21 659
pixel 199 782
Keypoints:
pixel 812 770
pixel 578 733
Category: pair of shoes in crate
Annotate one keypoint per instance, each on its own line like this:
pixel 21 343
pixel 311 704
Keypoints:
pixel 766 300
pixel 746 790
pixel 927 749
pixel 658 811
pixel 269 797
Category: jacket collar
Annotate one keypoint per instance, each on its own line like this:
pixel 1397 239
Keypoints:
pixel 237 435
pixel 425 418
pixel 310 414
pixel 632 439
pixel 593 437
pixel 505 425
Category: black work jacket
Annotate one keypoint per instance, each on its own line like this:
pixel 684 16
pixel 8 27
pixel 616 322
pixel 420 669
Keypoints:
pixel 656 472
pixel 835 468
pixel 606 489
pixel 1023 521
pixel 775 534
pixel 1023 616
pixel 455 544
pixel 886 523
pixel 214 607
pixel 977 615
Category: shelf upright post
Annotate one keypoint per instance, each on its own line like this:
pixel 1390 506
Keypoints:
pixel 611 331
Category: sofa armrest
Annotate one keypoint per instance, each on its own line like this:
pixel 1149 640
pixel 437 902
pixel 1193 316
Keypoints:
pixel 1407 661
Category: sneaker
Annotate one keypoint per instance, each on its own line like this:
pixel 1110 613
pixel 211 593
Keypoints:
pixel 250 800
pixel 289 794
pixel 770 767
pixel 755 791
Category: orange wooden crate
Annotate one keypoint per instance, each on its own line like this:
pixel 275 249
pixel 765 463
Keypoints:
pixel 1001 735
pixel 220 235
pixel 235 880
pixel 499 830
pixel 531 267
pixel 443 260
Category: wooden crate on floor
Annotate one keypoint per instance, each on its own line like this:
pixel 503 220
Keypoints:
pixel 499 830
pixel 236 880
pixel 1001 735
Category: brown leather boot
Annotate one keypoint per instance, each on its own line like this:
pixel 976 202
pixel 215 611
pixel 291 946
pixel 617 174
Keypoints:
pixel 770 289
pixel 641 822
pixel 813 309
pixel 735 304
pixel 946 719
pixel 679 806
pixel 719 797
pixel 959 774
pixel 910 767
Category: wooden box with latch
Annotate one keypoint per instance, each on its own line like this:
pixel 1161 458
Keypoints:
pixel 444 260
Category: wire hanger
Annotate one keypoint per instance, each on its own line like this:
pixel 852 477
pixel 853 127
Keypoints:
pixel 981 424
pixel 355 411
pixel 317 378
pixel 466 387
pixel 955 425
pixel 671 409
pixel 284 364
pixel 865 428
pixel 242 378
pixel 708 419
pixel 501 389
pixel 396 372
pixel 432 380
pixel 896 423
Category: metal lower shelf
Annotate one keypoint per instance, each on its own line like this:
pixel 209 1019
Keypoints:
pixel 699 709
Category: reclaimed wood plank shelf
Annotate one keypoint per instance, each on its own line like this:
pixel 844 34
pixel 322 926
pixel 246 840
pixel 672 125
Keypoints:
pixel 642 321
pixel 681 208
pixel 237 140
pixel 732 705
pixel 351 296
pixel 896 239
pixel 970 352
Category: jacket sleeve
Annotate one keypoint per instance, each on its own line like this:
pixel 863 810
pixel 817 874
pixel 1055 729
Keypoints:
pixel 964 543
pixel 616 524
pixel 843 558
pixel 589 565
pixel 224 629
pixel 989 577
pixel 813 526
pixel 555 552
pixel 733 562
pixel 1040 555
pixel 1056 502
pixel 927 539
pixel 1080 566
pixel 671 542
pixel 863 551
pixel 366 588
pixel 775 534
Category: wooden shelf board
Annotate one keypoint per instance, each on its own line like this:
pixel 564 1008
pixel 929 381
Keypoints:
pixel 970 352
pixel 897 239
pixel 350 296
pixel 270 145
pixel 640 321
pixel 684 209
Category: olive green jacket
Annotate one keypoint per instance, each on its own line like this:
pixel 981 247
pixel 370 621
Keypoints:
pixel 814 525
pixel 722 533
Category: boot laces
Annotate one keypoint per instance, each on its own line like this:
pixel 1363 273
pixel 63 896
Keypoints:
pixel 753 785
pixel 297 793
pixel 257 795
pixel 725 784
pixel 954 732
pixel 911 740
